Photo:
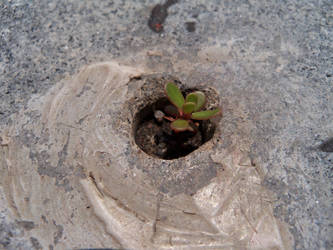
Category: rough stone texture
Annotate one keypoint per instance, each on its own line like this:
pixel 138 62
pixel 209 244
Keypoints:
pixel 270 60
pixel 82 141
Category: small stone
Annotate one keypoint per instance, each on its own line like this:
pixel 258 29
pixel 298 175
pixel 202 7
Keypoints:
pixel 158 114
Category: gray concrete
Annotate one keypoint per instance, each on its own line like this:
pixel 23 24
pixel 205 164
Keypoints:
pixel 278 63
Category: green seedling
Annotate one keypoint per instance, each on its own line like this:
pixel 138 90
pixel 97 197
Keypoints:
pixel 189 108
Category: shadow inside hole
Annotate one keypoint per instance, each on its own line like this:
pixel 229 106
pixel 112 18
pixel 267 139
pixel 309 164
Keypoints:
pixel 157 139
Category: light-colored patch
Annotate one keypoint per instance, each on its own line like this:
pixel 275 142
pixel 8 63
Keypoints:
pixel 88 127
pixel 215 54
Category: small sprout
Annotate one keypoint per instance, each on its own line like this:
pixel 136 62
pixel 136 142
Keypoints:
pixel 205 115
pixel 174 95
pixel 188 109
pixel 180 125
pixel 198 98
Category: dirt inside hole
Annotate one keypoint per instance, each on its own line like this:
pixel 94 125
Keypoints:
pixel 155 137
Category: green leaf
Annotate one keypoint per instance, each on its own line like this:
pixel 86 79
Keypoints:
pixel 191 97
pixel 174 95
pixel 180 125
pixel 188 107
pixel 201 100
pixel 198 98
pixel 204 115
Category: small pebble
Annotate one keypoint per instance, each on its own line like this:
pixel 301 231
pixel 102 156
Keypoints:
pixel 158 114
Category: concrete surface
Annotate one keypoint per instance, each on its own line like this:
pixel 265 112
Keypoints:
pixel 271 59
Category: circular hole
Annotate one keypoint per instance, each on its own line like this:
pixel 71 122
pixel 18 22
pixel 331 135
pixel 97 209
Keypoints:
pixel 153 134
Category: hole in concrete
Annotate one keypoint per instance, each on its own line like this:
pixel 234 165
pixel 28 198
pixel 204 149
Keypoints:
pixel 154 136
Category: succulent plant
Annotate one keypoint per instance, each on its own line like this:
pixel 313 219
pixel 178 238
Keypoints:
pixel 189 108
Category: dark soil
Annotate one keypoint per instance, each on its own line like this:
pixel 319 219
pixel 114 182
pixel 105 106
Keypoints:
pixel 155 137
